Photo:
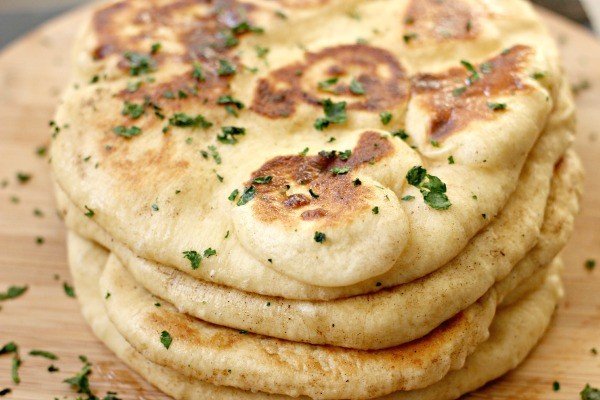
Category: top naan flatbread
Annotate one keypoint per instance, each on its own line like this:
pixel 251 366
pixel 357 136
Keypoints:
pixel 330 141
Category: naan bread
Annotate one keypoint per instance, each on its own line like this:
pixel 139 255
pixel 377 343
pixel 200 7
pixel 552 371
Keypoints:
pixel 381 320
pixel 530 195
pixel 501 352
pixel 162 194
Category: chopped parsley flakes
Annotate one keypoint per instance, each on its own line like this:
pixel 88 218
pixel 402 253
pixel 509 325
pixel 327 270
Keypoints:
pixel 229 134
pixel 23 177
pixel 80 382
pixel 229 102
pixel 496 106
pixel 12 348
pixel 408 37
pixel 166 339
pixel 320 237
pixel 590 264
pixel 42 353
pixel 89 212
pixel 69 290
pixel 133 110
pixel 340 170
pixel 335 113
pixel 139 64
pixel 345 155
pixel 590 393
pixel 183 120
pixel 385 117
pixel 356 87
pixel 248 195
pixel 471 69
pixel 327 84
pixel 261 180
pixel 233 195
pixel 127 132
pixel 13 292
pixel 432 188
pixel 197 72
pixel 194 257
pixel 226 68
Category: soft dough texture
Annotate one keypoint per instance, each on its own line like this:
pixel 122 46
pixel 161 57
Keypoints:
pixel 371 321
pixel 165 190
pixel 504 350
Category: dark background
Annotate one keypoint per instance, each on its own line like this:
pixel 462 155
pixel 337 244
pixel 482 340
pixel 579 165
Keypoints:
pixel 17 17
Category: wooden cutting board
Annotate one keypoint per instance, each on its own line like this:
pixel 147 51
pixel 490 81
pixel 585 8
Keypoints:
pixel 32 74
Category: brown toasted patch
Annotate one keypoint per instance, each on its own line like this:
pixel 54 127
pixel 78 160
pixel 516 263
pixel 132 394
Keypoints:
pixel 305 187
pixel 454 102
pixel 201 28
pixel 180 90
pixel 378 71
pixel 181 326
pixel 440 20
pixel 121 157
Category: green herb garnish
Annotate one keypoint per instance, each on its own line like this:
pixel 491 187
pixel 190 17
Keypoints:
pixel 183 120
pixel 42 353
pixel 345 155
pixel 226 68
pixel 69 290
pixel 233 195
pixel 229 134
pixel 340 170
pixel 408 37
pixel 248 195
pixel 127 132
pixel 23 177
pixel 261 180
pixel 139 64
pixel 166 339
pixel 13 292
pixel 590 393
pixel 431 187
pixel 320 237
pixel 356 87
pixel 335 113
pixel 327 84
pixel 385 117
pixel 133 110
pixel 496 106
pixel 197 72
pixel 471 69
pixel 194 257
pixel 80 382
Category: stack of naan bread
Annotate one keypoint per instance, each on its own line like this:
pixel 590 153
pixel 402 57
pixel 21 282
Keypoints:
pixel 327 199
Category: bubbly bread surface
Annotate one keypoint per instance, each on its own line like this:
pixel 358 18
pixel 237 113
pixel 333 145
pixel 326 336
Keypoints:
pixel 326 142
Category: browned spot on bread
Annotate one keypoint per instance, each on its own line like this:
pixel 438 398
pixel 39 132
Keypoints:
pixel 123 158
pixel 441 20
pixel 179 90
pixel 378 71
pixel 305 187
pixel 202 28
pixel 454 101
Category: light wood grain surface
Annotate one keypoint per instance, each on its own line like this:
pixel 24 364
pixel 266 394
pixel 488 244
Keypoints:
pixel 32 73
